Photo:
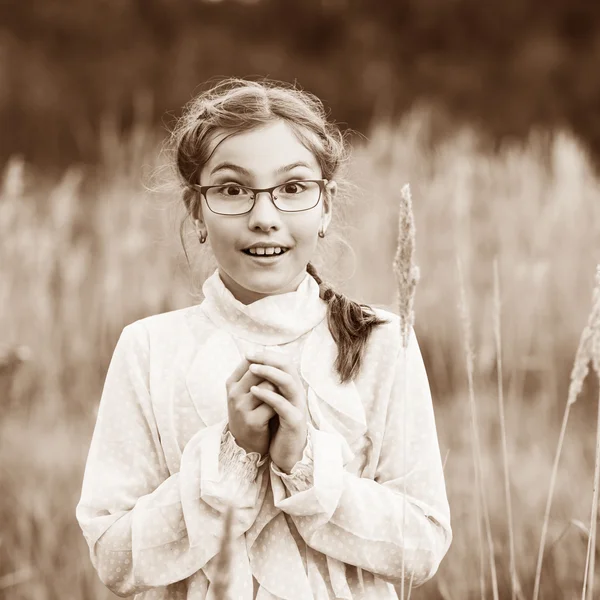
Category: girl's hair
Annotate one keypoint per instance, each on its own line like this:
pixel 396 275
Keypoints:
pixel 238 105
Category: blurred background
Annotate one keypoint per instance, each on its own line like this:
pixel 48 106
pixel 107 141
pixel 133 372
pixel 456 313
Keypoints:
pixel 505 66
pixel 491 111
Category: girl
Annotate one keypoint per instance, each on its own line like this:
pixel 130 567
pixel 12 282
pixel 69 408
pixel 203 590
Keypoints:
pixel 275 393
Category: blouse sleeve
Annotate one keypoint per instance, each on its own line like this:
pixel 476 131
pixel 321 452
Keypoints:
pixel 145 527
pixel 372 523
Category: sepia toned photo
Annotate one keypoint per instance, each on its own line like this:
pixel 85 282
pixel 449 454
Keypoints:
pixel 299 300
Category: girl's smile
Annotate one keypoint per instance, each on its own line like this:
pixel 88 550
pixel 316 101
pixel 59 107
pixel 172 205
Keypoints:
pixel 266 259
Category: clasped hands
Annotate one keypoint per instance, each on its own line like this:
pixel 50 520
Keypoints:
pixel 266 405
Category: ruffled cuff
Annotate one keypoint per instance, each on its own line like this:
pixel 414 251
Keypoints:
pixel 236 462
pixel 322 497
pixel 301 477
pixel 214 471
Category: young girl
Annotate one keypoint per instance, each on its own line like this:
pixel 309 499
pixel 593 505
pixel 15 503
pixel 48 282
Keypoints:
pixel 275 393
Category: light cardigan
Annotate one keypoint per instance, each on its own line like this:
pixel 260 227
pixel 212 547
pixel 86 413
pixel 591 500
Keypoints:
pixel 162 464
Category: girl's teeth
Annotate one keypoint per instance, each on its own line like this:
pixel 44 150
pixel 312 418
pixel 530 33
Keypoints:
pixel 267 251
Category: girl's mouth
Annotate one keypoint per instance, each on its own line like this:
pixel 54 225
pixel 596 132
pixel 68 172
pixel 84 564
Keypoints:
pixel 265 258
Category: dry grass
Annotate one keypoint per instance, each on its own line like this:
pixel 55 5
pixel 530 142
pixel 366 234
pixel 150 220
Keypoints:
pixel 82 256
pixel 221 583
pixel 407 277
pixel 580 368
pixel 481 503
pixel 515 586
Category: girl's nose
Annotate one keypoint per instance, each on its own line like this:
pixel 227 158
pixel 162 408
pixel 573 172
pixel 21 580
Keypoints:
pixel 264 213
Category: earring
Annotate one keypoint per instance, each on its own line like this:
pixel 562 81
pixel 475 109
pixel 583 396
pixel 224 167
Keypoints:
pixel 321 234
pixel 200 236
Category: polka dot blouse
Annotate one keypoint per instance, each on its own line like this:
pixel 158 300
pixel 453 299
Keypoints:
pixel 366 504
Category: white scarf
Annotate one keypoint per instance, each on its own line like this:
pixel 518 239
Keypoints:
pixel 273 320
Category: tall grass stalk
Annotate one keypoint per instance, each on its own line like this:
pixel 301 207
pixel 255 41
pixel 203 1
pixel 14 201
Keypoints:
pixel 223 579
pixel 407 277
pixel 475 444
pixel 590 559
pixel 578 374
pixel 514 582
pixel 475 458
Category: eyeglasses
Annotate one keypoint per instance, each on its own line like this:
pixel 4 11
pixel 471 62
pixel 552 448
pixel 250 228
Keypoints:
pixel 234 199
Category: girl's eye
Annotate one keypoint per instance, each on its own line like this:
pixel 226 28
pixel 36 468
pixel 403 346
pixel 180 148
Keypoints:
pixel 231 189
pixel 294 187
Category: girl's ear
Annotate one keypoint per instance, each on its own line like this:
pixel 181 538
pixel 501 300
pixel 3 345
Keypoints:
pixel 193 203
pixel 331 189
pixel 200 228
pixel 197 217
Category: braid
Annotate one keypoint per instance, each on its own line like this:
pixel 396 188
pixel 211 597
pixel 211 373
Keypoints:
pixel 350 325
pixel 326 292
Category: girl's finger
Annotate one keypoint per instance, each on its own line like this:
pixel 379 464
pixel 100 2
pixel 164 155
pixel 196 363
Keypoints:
pixel 263 384
pixel 288 387
pixel 263 412
pixel 277 402
pixel 237 373
pixel 249 379
pixel 273 359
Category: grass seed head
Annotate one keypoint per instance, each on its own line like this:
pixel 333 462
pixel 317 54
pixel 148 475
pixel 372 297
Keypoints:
pixel 407 273
pixel 589 346
pixel 595 325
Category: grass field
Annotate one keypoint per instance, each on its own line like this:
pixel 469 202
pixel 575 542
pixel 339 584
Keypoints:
pixel 93 250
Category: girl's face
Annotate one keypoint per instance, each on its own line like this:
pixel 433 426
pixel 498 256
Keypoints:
pixel 262 158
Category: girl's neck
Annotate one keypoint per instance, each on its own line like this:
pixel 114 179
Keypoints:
pixel 246 296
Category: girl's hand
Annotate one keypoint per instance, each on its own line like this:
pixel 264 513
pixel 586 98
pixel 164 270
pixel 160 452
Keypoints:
pixel 248 417
pixel 288 401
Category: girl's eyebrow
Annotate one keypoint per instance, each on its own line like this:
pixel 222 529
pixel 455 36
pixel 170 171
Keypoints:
pixel 292 166
pixel 231 167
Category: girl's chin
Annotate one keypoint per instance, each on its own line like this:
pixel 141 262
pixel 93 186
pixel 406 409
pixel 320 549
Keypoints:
pixel 264 282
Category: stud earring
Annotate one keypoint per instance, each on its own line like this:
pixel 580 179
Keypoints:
pixel 203 239
pixel 321 234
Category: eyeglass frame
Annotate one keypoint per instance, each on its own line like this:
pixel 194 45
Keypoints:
pixel 204 188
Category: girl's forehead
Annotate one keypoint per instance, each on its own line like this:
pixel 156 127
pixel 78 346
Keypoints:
pixel 262 149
